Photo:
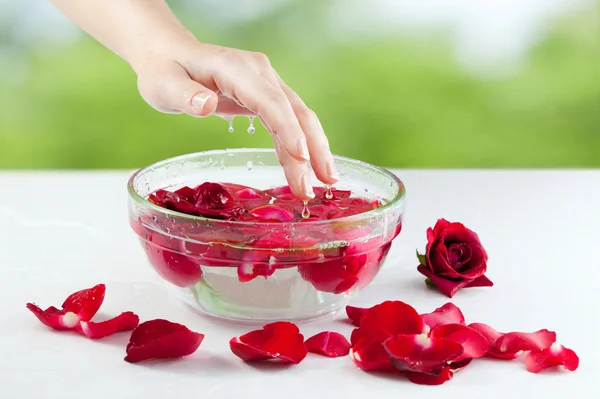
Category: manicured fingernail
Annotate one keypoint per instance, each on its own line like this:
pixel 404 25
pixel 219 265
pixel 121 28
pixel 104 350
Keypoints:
pixel 199 100
pixel 303 148
pixel 332 171
pixel 307 187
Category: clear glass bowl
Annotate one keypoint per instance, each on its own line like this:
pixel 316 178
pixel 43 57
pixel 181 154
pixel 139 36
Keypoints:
pixel 204 259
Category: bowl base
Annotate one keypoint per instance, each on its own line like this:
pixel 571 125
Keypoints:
pixel 283 296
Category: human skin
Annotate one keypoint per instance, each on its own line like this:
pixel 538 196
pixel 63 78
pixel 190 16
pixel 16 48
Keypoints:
pixel 179 74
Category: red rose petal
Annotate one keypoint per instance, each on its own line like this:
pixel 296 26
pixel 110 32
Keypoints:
pixel 271 213
pixel 491 335
pixel 421 354
pixel 85 303
pixel 329 276
pixel 440 225
pixel 456 366
pixel 356 314
pixel 555 355
pixel 126 321
pixel 181 270
pixel 448 287
pixel 519 341
pixel 447 314
pixel 214 201
pixel 427 379
pixel 160 339
pixel 280 340
pixel 256 263
pixel 481 281
pixel 511 345
pixel 283 193
pixel 474 344
pixel 79 306
pixel 248 194
pixel 391 317
pixel 54 318
pixel 370 355
pixel 328 343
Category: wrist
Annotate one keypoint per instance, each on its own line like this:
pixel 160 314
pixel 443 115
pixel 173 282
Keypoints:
pixel 147 46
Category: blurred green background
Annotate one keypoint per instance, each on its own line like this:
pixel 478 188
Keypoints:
pixel 389 91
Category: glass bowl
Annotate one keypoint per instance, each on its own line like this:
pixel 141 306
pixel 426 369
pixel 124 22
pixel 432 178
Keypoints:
pixel 263 272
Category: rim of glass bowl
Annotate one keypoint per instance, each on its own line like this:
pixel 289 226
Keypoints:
pixel 393 203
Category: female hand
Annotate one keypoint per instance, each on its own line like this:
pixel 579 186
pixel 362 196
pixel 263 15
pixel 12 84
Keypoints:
pixel 202 79
pixel 176 73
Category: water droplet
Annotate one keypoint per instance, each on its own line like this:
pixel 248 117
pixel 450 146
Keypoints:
pixel 251 128
pixel 154 218
pixel 305 211
pixel 249 165
pixel 230 120
pixel 328 193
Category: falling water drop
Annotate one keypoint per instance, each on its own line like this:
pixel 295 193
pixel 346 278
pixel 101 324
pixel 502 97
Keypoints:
pixel 249 165
pixel 305 211
pixel 251 128
pixel 230 120
pixel 328 193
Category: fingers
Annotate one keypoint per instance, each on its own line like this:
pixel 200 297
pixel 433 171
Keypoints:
pixel 168 88
pixel 296 172
pixel 321 158
pixel 255 92
pixel 228 108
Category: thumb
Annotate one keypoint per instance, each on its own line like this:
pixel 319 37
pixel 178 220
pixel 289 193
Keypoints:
pixel 171 90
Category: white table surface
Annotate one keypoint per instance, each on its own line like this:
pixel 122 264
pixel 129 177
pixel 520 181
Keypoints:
pixel 60 232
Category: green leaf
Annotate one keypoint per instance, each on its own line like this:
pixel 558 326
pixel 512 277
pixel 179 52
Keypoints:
pixel 429 283
pixel 422 259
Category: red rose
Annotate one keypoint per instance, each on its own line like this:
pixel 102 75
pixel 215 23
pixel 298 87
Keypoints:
pixel 454 258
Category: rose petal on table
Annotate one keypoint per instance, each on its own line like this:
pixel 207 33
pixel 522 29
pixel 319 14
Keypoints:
pixel 521 341
pixel 481 281
pixel 370 355
pixel 328 343
pixel 491 335
pixel 126 321
pixel 474 344
pixel 85 303
pixel 554 356
pixel 422 354
pixel 446 314
pixel 456 366
pixel 427 379
pixel 280 341
pixel 511 345
pixel 391 317
pixel 81 305
pixel 54 318
pixel 446 286
pixel 356 314
pixel 161 339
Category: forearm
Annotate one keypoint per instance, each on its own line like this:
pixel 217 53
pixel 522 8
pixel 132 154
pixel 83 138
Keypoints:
pixel 133 29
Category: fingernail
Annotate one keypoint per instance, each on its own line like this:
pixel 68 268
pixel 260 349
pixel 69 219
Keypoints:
pixel 307 187
pixel 303 149
pixel 331 170
pixel 199 100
